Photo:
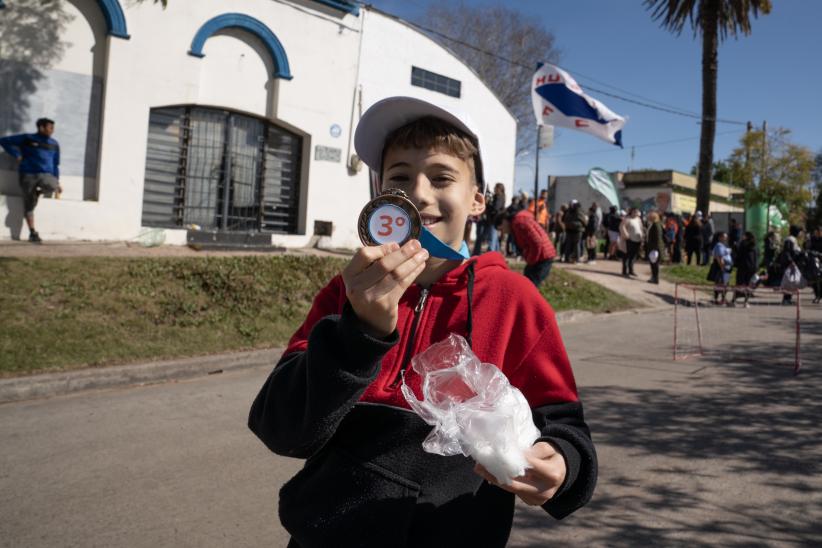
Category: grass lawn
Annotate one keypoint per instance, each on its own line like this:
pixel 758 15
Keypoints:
pixel 567 291
pixel 686 274
pixel 69 313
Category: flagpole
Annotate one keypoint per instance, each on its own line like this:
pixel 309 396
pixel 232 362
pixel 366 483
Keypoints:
pixel 536 177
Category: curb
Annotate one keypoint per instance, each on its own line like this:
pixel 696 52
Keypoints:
pixel 571 316
pixel 56 384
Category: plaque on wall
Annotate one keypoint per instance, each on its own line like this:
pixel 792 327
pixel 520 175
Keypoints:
pixel 327 154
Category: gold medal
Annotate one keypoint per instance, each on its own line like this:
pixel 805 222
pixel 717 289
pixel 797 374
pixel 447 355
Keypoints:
pixel 390 217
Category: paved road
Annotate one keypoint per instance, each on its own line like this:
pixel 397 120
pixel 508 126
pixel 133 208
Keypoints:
pixel 720 451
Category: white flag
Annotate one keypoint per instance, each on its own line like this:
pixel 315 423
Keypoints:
pixel 559 101
pixel 599 180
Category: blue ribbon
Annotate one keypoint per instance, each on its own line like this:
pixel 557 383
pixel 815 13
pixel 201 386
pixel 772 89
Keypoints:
pixel 438 248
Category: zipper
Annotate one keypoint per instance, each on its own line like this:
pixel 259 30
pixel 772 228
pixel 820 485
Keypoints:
pixel 411 339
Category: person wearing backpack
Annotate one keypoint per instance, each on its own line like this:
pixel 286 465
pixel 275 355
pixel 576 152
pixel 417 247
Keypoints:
pixel 693 239
pixel 747 261
pixel 591 231
pixel 575 221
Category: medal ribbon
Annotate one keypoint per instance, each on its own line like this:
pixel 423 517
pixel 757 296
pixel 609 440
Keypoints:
pixel 438 248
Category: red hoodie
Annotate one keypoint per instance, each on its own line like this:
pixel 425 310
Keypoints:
pixel 514 328
pixel 531 238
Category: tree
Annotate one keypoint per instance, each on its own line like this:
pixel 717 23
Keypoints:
pixel 779 172
pixel 715 20
pixel 816 176
pixel 474 32
pixel 815 216
pixel 724 171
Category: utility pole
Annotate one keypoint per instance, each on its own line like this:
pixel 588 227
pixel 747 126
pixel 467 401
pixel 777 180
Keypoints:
pixel 762 173
pixel 764 151
pixel 748 172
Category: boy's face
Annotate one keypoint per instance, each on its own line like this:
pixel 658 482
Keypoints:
pixel 440 185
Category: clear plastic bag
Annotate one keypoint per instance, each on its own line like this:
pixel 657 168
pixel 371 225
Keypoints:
pixel 474 409
pixel 151 237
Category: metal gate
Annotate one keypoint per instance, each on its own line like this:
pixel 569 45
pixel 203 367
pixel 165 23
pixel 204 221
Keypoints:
pixel 221 171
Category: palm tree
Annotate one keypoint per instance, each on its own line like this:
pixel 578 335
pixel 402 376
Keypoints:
pixel 715 19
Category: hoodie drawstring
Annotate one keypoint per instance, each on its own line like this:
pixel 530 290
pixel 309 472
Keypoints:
pixel 470 323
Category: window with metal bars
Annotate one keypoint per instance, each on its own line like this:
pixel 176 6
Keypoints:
pixel 436 82
pixel 220 170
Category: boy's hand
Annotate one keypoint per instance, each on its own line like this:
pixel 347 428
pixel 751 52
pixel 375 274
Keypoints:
pixel 541 481
pixel 376 279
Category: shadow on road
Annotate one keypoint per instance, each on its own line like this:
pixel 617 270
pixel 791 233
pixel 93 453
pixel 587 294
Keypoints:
pixel 683 450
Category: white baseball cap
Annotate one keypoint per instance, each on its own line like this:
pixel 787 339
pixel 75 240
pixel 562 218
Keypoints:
pixel 392 113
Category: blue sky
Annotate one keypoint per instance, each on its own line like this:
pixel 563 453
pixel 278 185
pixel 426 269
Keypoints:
pixel 775 74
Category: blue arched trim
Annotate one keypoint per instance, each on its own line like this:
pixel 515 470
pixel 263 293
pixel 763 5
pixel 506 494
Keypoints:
pixel 342 5
pixel 115 19
pixel 247 23
pixel 113 13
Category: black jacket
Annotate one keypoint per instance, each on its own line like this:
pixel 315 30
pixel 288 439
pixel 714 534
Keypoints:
pixel 574 219
pixel 367 480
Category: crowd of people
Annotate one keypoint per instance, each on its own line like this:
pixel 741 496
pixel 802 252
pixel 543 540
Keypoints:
pixel 575 234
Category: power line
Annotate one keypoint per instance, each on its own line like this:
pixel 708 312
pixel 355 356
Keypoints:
pixel 674 110
pixel 644 145
pixel 627 92
pixel 648 105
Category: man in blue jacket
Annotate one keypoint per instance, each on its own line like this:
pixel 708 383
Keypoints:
pixel 38 160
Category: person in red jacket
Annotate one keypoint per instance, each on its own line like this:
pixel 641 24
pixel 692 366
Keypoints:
pixel 335 396
pixel 536 247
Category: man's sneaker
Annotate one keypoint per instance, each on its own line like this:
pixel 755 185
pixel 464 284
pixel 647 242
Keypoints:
pixel 34 238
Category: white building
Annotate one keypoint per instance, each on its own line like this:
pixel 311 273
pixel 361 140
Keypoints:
pixel 237 117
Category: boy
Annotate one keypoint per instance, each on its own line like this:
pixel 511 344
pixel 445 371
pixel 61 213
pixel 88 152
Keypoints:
pixel 533 242
pixel 334 398
pixel 38 160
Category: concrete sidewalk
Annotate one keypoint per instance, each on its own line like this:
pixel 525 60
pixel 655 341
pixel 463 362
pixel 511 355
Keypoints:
pixel 120 248
pixel 609 274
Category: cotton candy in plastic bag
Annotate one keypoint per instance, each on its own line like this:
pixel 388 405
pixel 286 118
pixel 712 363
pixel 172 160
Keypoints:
pixel 474 409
